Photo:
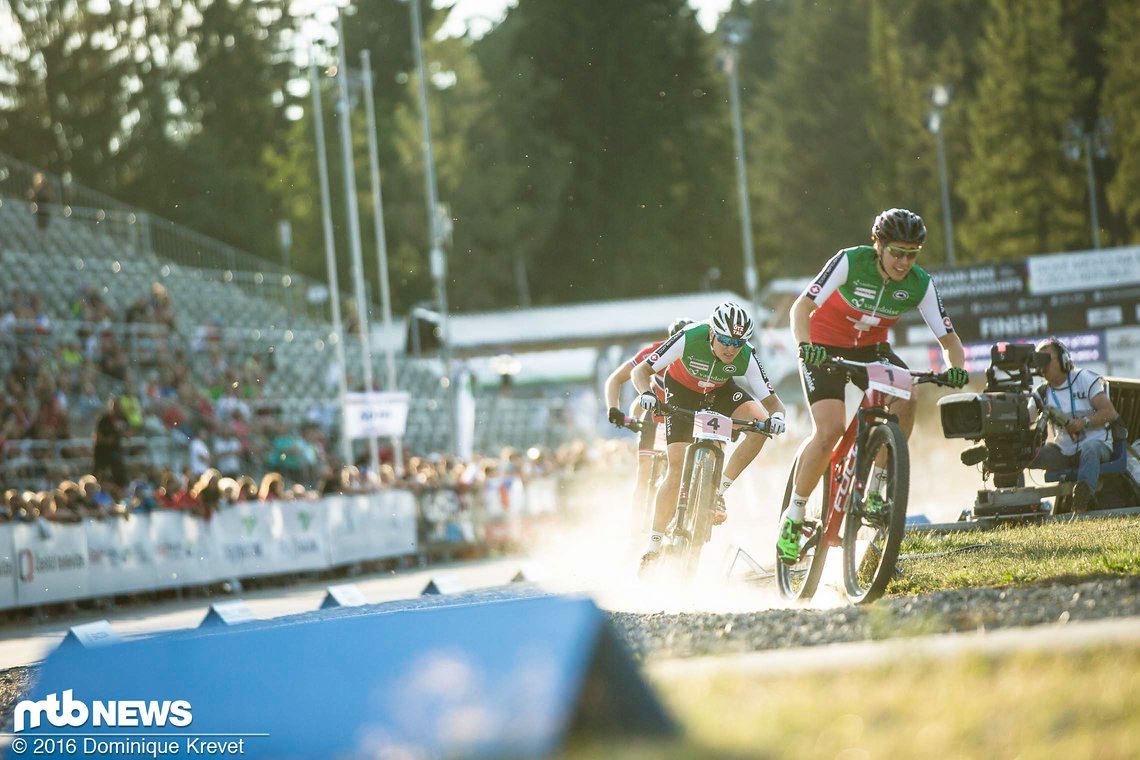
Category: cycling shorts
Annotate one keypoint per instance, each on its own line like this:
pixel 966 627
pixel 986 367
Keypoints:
pixel 820 383
pixel 724 400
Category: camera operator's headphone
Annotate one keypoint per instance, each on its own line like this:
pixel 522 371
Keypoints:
pixel 1064 361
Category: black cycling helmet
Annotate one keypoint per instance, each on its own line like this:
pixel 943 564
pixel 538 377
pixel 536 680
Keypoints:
pixel 898 225
pixel 677 325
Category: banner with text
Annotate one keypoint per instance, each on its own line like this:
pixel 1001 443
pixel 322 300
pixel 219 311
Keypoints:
pixel 376 414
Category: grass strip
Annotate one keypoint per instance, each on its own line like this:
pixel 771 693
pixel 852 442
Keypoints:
pixel 1027 705
pixel 1018 555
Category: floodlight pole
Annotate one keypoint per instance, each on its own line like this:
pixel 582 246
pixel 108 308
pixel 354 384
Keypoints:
pixel 381 243
pixel 330 256
pixel 353 212
pixel 736 32
pixel 438 259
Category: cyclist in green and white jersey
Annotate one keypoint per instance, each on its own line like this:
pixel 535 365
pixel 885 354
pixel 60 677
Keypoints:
pixel 701 365
pixel 846 312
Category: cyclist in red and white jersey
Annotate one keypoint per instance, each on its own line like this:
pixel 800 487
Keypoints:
pixel 846 312
pixel 652 434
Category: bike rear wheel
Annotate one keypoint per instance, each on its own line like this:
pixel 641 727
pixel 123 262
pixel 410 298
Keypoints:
pixel 800 581
pixel 698 515
pixel 873 528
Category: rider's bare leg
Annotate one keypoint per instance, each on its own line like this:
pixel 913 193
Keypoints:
pixel 641 489
pixel 827 419
pixel 667 493
pixel 749 446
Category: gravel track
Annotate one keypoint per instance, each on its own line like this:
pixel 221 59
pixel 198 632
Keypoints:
pixel 661 635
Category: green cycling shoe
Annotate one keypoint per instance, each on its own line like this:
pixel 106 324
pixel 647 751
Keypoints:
pixel 788 544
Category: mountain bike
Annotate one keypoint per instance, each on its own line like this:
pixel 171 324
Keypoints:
pixel 704 460
pixel 870 517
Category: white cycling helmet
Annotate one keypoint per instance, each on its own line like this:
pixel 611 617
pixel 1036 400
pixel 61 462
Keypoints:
pixel 731 319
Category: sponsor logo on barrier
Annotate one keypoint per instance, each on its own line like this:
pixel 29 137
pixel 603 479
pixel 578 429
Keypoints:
pixel 249 523
pixel 73 713
pixel 305 519
pixel 32 564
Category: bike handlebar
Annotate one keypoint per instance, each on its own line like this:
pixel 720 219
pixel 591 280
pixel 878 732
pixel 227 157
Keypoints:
pixel 938 378
pixel 744 426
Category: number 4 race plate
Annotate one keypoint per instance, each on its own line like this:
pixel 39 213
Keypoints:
pixel 889 379
pixel 713 427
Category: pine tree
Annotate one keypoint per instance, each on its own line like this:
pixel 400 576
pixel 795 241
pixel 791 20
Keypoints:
pixel 1120 101
pixel 1023 196
pixel 813 149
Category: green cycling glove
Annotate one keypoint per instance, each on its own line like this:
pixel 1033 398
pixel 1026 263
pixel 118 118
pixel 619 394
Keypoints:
pixel 957 377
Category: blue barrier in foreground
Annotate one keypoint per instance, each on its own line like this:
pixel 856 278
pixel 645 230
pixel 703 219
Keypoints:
pixel 488 674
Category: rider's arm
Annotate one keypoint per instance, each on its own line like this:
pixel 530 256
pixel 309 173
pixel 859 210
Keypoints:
pixel 669 352
pixel 641 375
pixel 758 382
pixel 953 351
pixel 614 383
pixel 773 404
pixel 939 323
pixel 833 274
pixel 801 326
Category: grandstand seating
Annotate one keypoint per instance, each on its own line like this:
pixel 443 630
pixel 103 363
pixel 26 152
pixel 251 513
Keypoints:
pixel 250 314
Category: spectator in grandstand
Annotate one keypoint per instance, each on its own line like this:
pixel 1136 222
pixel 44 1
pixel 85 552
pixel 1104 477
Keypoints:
pixel 161 306
pixel 141 497
pixel 5 510
pixel 173 494
pixel 98 502
pixel 247 488
pixel 200 457
pixel 272 487
pixel 18 506
pixel 53 509
pixel 41 197
pixel 109 460
pixel 227 448
pixel 207 493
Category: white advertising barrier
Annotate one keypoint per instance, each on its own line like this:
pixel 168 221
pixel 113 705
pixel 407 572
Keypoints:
pixel 304 540
pixel 51 562
pixel 120 558
pixel 245 540
pixel 183 550
pixel 371 526
pixel 376 414
pixel 542 497
pixel 7 568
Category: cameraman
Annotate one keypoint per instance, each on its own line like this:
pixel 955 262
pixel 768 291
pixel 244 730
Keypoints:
pixel 1079 413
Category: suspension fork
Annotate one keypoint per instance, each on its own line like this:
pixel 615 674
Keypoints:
pixel 687 471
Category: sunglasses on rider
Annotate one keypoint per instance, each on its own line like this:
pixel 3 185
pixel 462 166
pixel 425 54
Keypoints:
pixel 903 253
pixel 724 340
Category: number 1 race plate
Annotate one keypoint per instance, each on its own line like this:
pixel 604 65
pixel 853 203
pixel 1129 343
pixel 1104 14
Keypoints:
pixel 890 380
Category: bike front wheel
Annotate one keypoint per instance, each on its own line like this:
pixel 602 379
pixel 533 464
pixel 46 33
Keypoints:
pixel 874 525
pixel 698 517
pixel 799 581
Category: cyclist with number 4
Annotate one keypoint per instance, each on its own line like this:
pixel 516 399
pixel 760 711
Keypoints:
pixel 650 436
pixel 701 365
pixel 846 312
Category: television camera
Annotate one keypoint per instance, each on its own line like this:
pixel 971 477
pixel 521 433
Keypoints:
pixel 1006 421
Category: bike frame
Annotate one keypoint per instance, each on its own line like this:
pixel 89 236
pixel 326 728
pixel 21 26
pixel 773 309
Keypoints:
pixel 846 463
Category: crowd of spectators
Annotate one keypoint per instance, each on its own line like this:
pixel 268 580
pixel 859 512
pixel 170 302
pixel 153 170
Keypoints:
pixel 210 491
pixel 99 391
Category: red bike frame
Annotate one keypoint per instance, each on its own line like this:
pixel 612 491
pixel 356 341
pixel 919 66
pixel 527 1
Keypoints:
pixel 842 468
